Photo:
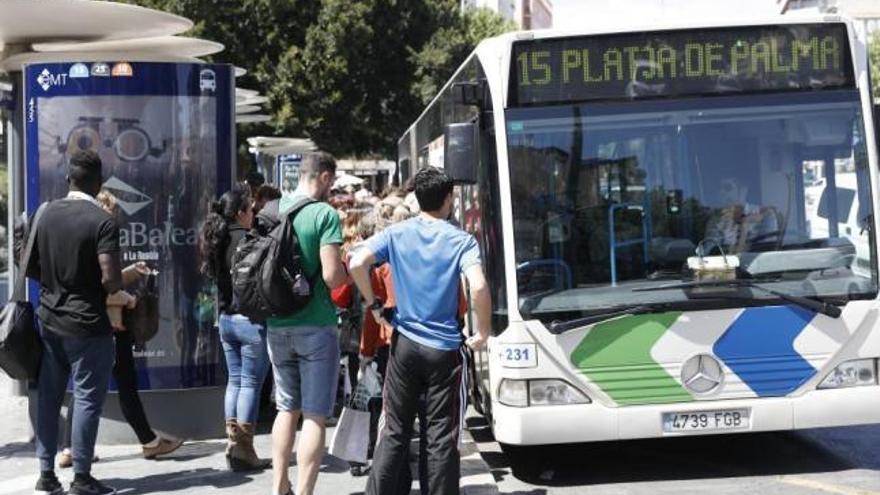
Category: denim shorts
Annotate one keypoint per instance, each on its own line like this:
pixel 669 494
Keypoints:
pixel 305 364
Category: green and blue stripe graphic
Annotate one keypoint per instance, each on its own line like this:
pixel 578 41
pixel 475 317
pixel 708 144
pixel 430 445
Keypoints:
pixel 637 359
pixel 616 355
pixel 759 348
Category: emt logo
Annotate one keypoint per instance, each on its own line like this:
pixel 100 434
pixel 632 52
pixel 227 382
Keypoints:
pixel 47 80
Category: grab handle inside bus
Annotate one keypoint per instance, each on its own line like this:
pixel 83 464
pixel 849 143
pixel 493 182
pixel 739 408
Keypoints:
pixel 460 154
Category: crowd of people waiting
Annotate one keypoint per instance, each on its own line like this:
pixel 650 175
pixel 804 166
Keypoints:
pixel 385 276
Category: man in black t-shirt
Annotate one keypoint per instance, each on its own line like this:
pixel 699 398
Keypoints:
pixel 76 260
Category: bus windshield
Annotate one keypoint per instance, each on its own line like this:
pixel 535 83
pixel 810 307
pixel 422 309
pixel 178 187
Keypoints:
pixel 612 197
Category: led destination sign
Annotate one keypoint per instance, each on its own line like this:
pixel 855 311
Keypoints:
pixel 681 63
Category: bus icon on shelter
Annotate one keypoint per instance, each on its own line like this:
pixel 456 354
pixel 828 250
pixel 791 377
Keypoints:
pixel 207 81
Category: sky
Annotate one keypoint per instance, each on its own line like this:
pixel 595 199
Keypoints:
pixel 572 13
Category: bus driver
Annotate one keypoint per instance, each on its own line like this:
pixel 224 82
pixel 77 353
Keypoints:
pixel 739 224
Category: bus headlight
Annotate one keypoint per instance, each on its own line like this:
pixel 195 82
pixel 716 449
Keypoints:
pixel 514 393
pixel 852 374
pixel 554 393
pixel 525 393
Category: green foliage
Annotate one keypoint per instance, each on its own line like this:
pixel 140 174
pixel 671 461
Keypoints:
pixel 340 88
pixel 874 55
pixel 349 87
pixel 350 74
pixel 369 66
pixel 439 58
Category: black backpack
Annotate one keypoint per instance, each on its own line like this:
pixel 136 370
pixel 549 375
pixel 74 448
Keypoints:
pixel 268 279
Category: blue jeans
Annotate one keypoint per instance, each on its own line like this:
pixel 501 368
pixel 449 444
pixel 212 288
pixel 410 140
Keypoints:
pixel 247 361
pixel 305 362
pixel 89 360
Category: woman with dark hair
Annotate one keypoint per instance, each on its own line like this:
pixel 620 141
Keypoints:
pixel 244 341
pixel 265 194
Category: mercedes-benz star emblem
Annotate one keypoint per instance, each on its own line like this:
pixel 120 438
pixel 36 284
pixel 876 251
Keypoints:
pixel 702 374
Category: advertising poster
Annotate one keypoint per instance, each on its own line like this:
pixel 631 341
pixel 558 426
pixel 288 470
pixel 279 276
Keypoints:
pixel 164 133
pixel 287 167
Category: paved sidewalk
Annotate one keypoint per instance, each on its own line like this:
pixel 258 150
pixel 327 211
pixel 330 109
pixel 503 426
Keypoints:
pixel 197 468
pixel 13 412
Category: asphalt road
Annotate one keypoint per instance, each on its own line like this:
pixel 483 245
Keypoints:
pixel 844 461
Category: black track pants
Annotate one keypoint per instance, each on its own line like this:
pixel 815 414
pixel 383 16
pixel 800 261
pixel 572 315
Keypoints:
pixel 413 370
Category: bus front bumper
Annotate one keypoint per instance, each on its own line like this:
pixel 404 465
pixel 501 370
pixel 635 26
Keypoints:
pixel 595 422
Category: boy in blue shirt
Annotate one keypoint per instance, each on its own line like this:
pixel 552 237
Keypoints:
pixel 427 255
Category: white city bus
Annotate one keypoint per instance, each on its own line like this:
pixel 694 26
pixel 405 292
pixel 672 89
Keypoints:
pixel 677 224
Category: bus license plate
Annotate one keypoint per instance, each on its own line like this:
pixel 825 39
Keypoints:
pixel 519 355
pixel 725 419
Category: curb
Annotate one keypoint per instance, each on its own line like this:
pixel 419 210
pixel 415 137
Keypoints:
pixel 476 476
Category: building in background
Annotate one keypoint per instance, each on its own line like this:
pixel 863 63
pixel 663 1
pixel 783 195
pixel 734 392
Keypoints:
pixel 536 14
pixel 526 14
pixel 867 11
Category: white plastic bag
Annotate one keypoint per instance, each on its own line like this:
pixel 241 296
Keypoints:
pixel 352 436
pixel 367 387
pixel 369 377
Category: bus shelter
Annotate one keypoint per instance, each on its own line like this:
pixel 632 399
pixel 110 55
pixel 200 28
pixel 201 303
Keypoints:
pixel 278 159
pixel 123 84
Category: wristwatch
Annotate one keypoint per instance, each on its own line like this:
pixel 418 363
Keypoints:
pixel 377 305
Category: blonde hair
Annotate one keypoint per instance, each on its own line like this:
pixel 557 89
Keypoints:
pixel 367 225
pixel 380 222
pixel 400 214
pixel 107 200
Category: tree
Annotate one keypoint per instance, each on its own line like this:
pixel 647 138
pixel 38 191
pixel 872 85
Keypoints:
pixel 255 33
pixel 369 66
pixel 350 86
pixel 874 54
pixel 349 74
pixel 439 58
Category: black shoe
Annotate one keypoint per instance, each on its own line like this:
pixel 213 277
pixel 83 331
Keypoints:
pixel 87 485
pixel 357 469
pixel 48 484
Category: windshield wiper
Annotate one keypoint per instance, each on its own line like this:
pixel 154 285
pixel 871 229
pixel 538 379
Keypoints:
pixel 823 307
pixel 564 326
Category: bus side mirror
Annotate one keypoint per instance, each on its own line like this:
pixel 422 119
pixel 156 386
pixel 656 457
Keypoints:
pixel 460 153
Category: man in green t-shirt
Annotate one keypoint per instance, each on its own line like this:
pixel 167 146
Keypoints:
pixel 304 347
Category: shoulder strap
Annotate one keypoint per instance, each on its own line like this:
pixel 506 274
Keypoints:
pixel 297 207
pixel 286 217
pixel 285 228
pixel 18 292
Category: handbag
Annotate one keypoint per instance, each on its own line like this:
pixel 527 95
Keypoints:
pixel 349 331
pixel 351 320
pixel 20 345
pixel 143 320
